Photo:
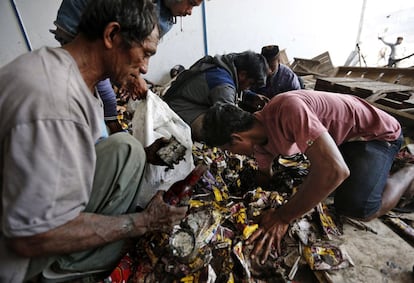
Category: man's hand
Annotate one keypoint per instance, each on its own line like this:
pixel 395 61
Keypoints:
pixel 270 233
pixel 134 87
pixel 253 102
pixel 161 216
pixel 328 170
pixel 114 126
pixel 151 151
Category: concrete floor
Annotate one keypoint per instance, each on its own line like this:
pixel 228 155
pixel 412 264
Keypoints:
pixel 384 257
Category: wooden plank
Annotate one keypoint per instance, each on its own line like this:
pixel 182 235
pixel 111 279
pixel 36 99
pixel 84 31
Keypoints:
pixel 283 58
pixel 395 99
pixel 320 65
pixel 335 84
pixel 379 87
pixel 367 84
pixel 303 66
pixel 384 257
pixel 326 67
pixel 334 80
pixel 361 87
pixel 402 76
pixel 396 104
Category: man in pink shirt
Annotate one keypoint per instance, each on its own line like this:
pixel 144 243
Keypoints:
pixel 350 144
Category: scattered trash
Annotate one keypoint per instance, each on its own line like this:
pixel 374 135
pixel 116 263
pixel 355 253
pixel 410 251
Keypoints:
pixel 209 243
pixel 401 226
pixel 328 225
pixel 326 256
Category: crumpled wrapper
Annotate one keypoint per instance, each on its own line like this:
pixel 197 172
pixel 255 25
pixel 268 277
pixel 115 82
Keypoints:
pixel 324 256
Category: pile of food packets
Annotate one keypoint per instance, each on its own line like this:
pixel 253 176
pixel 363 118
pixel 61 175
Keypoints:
pixel 209 245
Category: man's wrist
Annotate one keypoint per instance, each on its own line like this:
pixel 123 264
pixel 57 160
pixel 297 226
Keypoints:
pixel 283 217
pixel 128 225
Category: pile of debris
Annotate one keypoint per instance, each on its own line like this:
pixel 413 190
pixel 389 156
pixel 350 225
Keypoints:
pixel 209 244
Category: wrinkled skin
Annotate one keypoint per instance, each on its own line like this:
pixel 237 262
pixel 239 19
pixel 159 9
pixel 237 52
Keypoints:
pixel 130 63
pixel 161 216
pixel 134 87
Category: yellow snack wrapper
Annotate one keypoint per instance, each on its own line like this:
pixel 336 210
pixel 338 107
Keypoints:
pixel 249 230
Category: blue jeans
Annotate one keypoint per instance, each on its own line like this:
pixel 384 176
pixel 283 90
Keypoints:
pixel 360 195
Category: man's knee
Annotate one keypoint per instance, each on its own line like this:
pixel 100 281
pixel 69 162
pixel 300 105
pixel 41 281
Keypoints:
pixel 123 144
pixel 120 157
pixel 119 170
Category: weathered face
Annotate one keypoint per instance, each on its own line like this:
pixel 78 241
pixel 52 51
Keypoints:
pixel 133 61
pixel 184 8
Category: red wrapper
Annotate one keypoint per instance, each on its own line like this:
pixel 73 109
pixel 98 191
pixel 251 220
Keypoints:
pixel 122 271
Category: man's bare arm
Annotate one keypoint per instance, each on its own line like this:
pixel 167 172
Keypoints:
pixel 327 171
pixel 90 230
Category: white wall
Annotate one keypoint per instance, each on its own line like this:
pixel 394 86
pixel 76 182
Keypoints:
pixel 183 44
pixel 304 28
pixel 37 18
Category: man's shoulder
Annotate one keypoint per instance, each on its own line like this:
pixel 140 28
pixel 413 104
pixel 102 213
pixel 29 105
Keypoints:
pixel 285 69
pixel 33 66
pixel 219 76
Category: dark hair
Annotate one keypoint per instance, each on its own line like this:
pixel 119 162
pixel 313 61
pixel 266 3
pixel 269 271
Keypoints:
pixel 137 19
pixel 254 64
pixel 172 2
pixel 270 52
pixel 176 70
pixel 222 120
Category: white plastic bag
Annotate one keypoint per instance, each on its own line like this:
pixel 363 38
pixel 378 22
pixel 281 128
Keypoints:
pixel 152 119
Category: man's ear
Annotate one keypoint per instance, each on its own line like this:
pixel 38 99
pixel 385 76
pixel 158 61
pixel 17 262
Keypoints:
pixel 110 33
pixel 236 138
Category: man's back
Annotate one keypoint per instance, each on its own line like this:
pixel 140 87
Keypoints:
pixel 198 88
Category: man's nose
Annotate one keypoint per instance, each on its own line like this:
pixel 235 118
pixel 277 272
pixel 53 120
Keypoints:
pixel 144 68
